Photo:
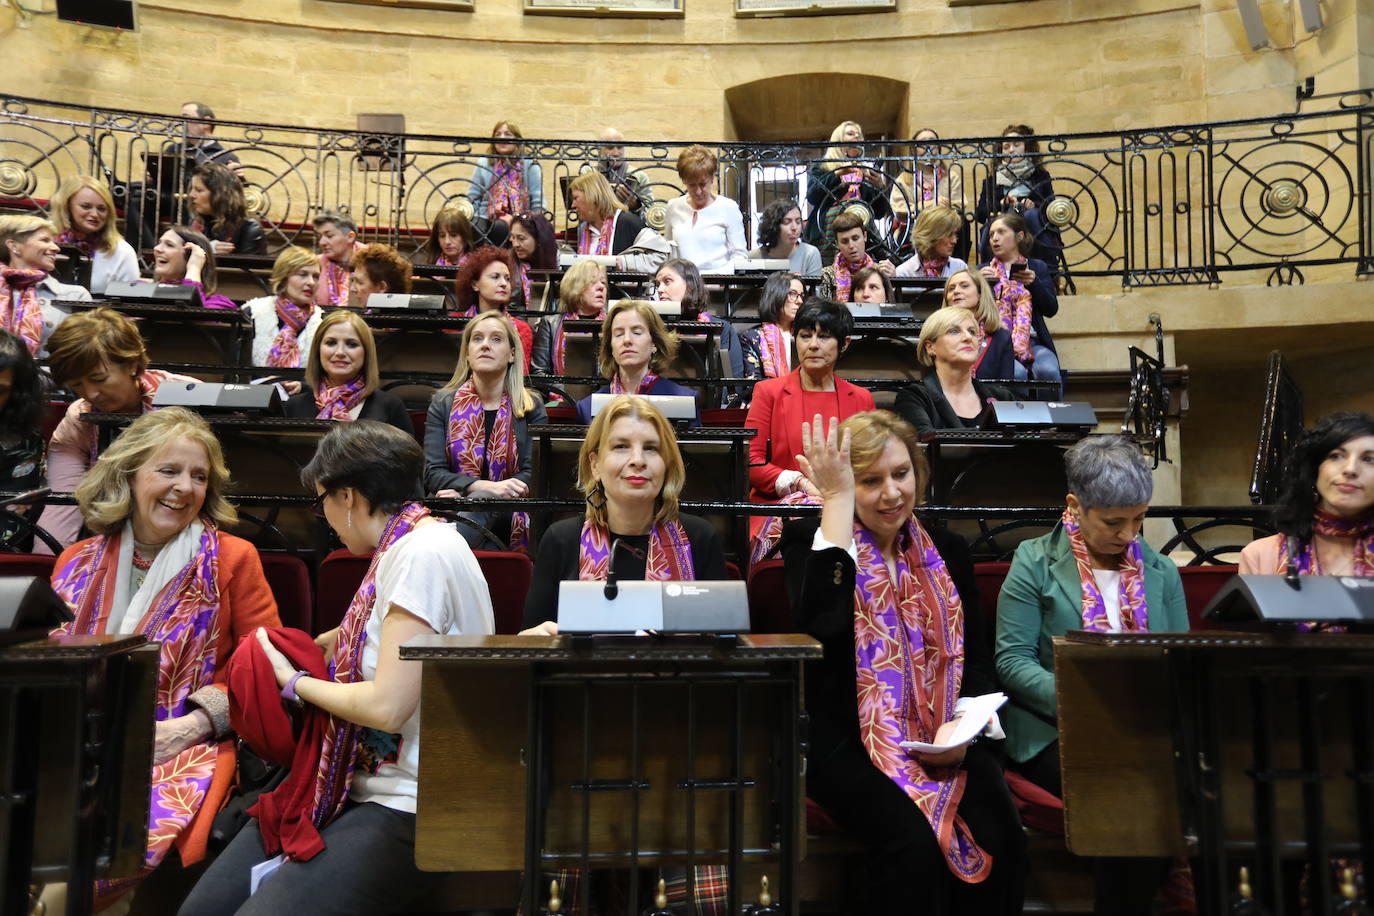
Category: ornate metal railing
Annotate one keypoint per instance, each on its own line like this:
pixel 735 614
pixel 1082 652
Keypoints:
pixel 1268 200
pixel 1281 424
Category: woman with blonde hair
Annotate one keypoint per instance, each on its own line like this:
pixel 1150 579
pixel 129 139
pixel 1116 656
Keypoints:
pixel 477 437
pixel 284 323
pixel 100 357
pixel 631 473
pixel 161 566
pixel 706 228
pixel 581 294
pixel 83 212
pixel 949 396
pixel 342 379
pixel 28 256
pixel 839 180
pixel 505 183
pixel 934 238
pixel 969 289
pixel 896 607
pixel 608 229
pixel 635 348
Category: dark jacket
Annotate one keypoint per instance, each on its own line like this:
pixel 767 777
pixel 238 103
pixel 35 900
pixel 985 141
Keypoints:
pixel 557 561
pixel 999 360
pixel 924 406
pixel 439 473
pixel 627 229
pixel 821 586
pixel 247 237
pixel 990 199
pixel 380 405
pixel 825 188
pixel 1044 304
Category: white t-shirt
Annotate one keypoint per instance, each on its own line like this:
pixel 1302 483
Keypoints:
pixel 432 573
pixel 1109 584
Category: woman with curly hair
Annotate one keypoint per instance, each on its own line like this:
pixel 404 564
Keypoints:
pixel 780 231
pixel 220 211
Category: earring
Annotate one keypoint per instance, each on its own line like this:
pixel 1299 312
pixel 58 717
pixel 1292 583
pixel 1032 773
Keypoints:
pixel 597 497
pixel 350 518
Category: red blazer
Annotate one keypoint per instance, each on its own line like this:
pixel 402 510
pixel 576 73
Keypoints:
pixel 776 412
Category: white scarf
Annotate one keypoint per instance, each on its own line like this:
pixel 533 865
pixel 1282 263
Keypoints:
pixel 170 560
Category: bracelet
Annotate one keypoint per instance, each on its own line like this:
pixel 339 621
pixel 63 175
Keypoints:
pixel 288 692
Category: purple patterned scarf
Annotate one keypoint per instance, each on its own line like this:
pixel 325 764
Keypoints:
pixel 1135 612
pixel 468 446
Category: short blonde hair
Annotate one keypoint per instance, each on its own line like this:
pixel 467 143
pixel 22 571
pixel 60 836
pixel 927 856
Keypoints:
pixel 291 259
pixel 936 325
pixel 696 161
pixel 665 341
pixel 521 401
pixel 82 342
pixel 314 369
pixel 582 275
pixel 933 224
pixel 17 227
pixel 61 204
pixel 596 190
pixel 986 313
pixel 869 433
pixel 674 471
pixel 106 495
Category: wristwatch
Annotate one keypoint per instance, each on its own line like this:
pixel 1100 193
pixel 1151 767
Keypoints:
pixel 288 692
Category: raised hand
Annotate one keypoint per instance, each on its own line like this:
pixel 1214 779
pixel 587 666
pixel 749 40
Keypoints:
pixel 825 458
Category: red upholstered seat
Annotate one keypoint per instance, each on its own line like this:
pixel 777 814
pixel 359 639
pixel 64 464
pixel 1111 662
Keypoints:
pixel 417 425
pixel 289 579
pixel 770 610
pixel 1200 584
pixel 336 583
pixel 1039 809
pixel 562 414
pixel 724 417
pixel 989 576
pixel 27 564
pixel 508 576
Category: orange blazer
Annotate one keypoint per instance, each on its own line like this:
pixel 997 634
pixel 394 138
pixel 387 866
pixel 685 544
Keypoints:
pixel 776 412
pixel 246 603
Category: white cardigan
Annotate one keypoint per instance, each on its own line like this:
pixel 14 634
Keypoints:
pixel 262 311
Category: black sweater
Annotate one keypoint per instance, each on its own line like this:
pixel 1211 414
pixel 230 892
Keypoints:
pixel 379 405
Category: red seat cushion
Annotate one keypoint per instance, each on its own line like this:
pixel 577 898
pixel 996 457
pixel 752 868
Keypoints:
pixel 417 424
pixel 289 580
pixel 770 610
pixel 1200 584
pixel 508 576
pixel 336 583
pixel 27 564
pixel 818 822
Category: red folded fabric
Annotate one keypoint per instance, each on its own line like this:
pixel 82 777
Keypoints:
pixel 281 735
pixel 1039 809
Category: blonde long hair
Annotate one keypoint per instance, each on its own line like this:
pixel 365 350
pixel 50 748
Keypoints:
pixel 986 313
pixel 835 156
pixel 61 204
pixel 314 369
pixel 674 471
pixel 515 373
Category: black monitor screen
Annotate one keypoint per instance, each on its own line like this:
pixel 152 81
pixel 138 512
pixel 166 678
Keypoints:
pixel 110 14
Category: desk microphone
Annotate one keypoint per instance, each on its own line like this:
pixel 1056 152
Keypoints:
pixel 612 588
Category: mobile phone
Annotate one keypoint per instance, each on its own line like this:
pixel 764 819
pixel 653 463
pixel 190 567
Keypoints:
pixel 1018 266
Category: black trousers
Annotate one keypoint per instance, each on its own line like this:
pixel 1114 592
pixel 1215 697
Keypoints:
pixel 907 869
pixel 1124 886
pixel 367 867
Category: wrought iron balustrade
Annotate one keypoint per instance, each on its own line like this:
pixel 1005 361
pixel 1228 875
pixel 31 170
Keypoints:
pixel 1266 200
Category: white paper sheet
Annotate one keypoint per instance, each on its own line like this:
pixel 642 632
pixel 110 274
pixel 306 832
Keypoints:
pixel 974 718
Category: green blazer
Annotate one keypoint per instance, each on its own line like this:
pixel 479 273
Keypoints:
pixel 1042 598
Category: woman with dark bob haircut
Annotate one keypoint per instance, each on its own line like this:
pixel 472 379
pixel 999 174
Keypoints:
pixel 780 231
pixel 768 347
pixel 1325 516
pixel 358 799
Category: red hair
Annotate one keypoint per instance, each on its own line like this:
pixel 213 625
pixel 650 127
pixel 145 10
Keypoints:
pixel 478 262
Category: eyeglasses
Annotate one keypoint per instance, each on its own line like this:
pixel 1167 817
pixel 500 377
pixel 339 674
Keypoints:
pixel 793 294
pixel 317 507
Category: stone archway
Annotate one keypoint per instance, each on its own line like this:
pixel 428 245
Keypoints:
pixel 807 106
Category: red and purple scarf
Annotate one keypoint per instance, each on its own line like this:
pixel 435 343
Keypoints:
pixel 468 446
pixel 185 619
pixel 909 665
pixel 843 270
pixel 333 288
pixel 506 195
pixel 286 349
pixel 89 244
pixel 669 558
pixel 603 241
pixel 1135 612
pixel 339 749
pixel 22 307
pixel 334 402
pixel 934 267
pixel 618 387
pixel 773 350
pixel 1305 557
pixel 1014 308
pixel 443 261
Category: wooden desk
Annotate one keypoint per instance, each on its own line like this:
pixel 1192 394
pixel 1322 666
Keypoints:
pixel 76 716
pixel 627 751
pixel 1229 746
pixel 176 333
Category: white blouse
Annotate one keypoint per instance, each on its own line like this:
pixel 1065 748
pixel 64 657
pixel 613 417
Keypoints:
pixel 711 238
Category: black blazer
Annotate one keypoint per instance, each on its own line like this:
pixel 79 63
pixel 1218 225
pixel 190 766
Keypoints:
pixel 557 562
pixel 380 405
pixel 627 229
pixel 924 406
pixel 823 190
pixel 247 238
pixel 439 475
pixel 821 586
pixel 1044 304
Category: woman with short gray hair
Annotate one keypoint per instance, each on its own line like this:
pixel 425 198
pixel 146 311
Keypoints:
pixel 1092 572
